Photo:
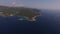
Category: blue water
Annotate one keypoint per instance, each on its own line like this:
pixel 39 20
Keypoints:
pixel 43 24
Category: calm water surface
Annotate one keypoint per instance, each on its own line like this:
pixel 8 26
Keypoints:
pixel 46 23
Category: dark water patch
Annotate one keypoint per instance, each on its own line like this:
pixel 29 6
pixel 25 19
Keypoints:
pixel 43 24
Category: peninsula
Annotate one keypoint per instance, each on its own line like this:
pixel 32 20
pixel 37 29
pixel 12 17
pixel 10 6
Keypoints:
pixel 28 13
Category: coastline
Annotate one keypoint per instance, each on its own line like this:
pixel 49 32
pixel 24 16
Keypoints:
pixel 32 19
pixel 24 18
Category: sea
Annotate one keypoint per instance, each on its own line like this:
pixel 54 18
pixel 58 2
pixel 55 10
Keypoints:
pixel 47 23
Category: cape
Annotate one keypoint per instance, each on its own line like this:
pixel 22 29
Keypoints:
pixel 27 13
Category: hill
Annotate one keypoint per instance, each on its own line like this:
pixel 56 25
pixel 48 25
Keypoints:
pixel 19 11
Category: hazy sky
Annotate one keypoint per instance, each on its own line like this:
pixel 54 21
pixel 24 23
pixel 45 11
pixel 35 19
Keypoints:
pixel 43 4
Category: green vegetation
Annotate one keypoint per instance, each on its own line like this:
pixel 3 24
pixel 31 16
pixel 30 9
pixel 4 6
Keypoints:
pixel 20 11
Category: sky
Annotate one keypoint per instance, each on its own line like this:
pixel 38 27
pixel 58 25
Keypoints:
pixel 41 4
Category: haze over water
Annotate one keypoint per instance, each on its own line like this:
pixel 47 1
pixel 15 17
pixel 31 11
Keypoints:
pixel 41 4
pixel 48 22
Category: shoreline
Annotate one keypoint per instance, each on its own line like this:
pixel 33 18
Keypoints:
pixel 24 18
